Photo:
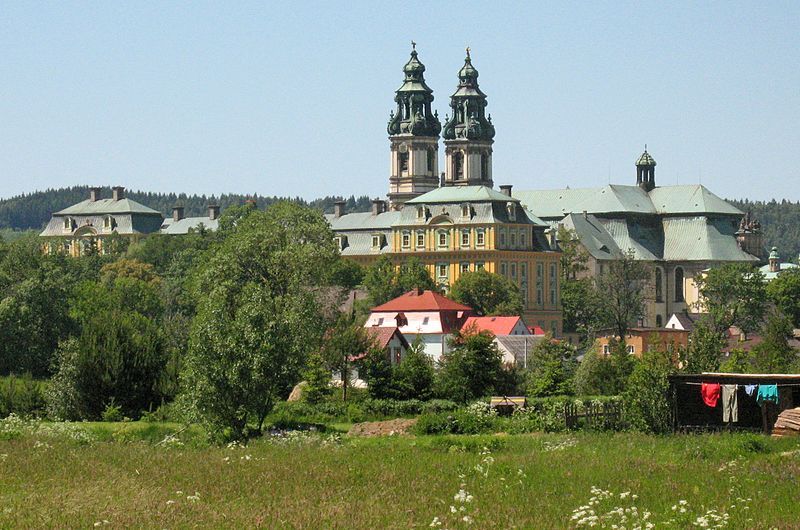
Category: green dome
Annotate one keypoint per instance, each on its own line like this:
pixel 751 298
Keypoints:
pixel 645 159
pixel 774 254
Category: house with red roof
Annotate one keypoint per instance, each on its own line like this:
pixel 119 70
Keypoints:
pixel 422 315
pixel 391 341
pixel 497 325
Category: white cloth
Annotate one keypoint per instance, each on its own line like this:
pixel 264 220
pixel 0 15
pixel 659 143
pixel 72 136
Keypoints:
pixel 730 404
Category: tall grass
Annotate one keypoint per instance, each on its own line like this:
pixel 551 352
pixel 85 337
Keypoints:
pixel 311 481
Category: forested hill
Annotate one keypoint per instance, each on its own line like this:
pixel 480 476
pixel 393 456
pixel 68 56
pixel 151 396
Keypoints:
pixel 780 222
pixel 33 210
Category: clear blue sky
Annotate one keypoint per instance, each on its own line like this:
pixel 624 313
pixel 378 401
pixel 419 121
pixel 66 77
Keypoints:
pixel 292 98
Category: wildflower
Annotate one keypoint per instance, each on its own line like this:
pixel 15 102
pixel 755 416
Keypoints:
pixel 436 522
pixel 170 502
pixel 193 498
pixel 467 519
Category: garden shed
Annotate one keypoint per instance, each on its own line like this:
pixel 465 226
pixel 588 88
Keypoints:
pixel 712 400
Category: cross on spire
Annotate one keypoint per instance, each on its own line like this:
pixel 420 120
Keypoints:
pixel 413 45
pixel 467 51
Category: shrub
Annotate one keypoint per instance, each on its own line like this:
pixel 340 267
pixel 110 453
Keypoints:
pixel 112 412
pixel 646 397
pixel 471 369
pixel 23 396
pixel 552 369
pixel 413 377
pixel 318 380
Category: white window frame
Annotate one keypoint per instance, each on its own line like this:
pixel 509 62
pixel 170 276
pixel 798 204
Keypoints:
pixel 405 239
pixel 420 239
pixel 480 237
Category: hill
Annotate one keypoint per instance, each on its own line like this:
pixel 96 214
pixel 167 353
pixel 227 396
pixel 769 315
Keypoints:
pixel 33 210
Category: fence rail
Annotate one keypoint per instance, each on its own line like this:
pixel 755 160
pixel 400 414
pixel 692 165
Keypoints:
pixel 594 415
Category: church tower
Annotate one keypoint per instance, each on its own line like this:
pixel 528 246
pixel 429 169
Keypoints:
pixel 468 134
pixel 646 171
pixel 414 137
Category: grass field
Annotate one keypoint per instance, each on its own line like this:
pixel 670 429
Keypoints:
pixel 63 480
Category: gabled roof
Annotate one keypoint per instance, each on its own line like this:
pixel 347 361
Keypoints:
pixel 692 198
pixel 363 221
pixel 519 346
pixel 458 194
pixel 382 336
pixel 701 239
pixel 616 198
pixel 418 300
pixel 497 325
pixel 686 320
pixel 107 206
pixel 183 226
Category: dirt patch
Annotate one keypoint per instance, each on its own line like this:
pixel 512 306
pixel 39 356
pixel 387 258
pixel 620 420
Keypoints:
pixel 382 428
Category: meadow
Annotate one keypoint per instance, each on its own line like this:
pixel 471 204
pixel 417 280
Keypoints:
pixel 140 475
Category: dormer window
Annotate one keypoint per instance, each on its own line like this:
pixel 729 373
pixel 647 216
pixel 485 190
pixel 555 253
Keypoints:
pixel 511 208
pixel 341 242
pixel 420 212
pixel 466 211
pixel 377 241
pixel 67 223
pixel 108 222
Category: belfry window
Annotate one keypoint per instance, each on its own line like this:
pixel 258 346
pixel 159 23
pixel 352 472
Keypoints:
pixel 484 166
pixel 402 159
pixel 431 160
pixel 458 165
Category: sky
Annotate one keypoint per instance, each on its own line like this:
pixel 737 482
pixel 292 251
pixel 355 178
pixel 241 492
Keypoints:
pixel 292 98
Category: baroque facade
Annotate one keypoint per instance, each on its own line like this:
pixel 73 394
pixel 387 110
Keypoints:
pixel 457 222
pixel 680 230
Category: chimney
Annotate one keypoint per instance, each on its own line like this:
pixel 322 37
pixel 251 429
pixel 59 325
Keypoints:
pixel 177 213
pixel 377 206
pixel 118 193
pixel 338 209
pixel 94 194
pixel 505 189
pixel 585 214
pixel 213 211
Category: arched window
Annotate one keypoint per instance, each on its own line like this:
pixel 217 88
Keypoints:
pixel 484 166
pixel 458 165
pixel 659 321
pixel 403 159
pixel 659 285
pixel 679 284
pixel 431 160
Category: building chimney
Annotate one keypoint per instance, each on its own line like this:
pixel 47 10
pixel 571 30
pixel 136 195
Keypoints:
pixel 94 194
pixel 585 214
pixel 213 212
pixel 377 206
pixel 118 193
pixel 338 208
pixel 177 213
pixel 505 189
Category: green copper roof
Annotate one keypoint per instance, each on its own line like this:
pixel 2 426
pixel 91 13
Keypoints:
pixel 413 114
pixel 468 107
pixel 615 198
pixel 107 206
pixel 646 159
pixel 774 253
pixel 458 194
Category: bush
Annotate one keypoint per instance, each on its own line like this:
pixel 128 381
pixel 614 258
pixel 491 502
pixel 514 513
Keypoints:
pixel 112 413
pixel 23 396
pixel 471 369
pixel 413 377
pixel 646 397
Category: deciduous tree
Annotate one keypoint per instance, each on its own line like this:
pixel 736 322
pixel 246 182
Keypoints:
pixel 487 293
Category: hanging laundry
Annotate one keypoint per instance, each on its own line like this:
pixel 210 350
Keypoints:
pixel 750 389
pixel 710 393
pixel 730 404
pixel 767 393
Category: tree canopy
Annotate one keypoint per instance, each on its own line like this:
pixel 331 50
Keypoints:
pixel 487 293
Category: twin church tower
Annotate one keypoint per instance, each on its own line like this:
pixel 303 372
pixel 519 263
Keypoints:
pixel 414 130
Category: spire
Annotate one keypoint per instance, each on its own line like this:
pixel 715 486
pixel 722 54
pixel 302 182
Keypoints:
pixel 646 171
pixel 469 133
pixel 468 104
pixel 414 97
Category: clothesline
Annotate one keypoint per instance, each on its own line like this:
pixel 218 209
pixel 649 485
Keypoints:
pixel 742 384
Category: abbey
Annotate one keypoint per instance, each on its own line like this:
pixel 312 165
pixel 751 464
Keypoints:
pixel 455 222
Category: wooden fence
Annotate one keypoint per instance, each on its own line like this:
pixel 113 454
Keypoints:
pixel 600 416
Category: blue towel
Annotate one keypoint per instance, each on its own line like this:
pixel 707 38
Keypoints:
pixel 767 393
pixel 750 389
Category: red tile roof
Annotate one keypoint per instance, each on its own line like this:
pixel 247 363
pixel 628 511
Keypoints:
pixel 383 336
pixel 496 325
pixel 418 300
